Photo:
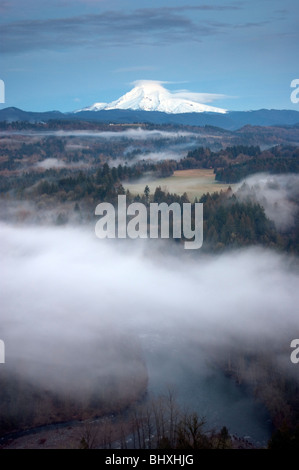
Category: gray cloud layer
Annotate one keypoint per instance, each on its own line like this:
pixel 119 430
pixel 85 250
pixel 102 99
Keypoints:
pixel 151 26
pixel 132 133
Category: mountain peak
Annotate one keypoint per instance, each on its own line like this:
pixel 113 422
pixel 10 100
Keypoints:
pixel 150 95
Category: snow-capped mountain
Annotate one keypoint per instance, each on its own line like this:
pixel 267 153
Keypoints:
pixel 152 96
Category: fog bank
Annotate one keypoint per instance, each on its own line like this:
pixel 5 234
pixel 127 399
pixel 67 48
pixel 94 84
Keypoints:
pixel 278 194
pixel 63 286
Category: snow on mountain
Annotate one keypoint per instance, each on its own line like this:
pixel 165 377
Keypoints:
pixel 94 107
pixel 152 96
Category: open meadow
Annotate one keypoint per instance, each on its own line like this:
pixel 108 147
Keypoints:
pixel 194 182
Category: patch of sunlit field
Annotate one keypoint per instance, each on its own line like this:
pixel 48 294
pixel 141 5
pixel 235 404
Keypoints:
pixel 194 182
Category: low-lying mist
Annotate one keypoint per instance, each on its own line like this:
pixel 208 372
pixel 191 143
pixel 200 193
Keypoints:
pixel 150 157
pixel 278 194
pixel 131 133
pixel 63 289
pixel 55 163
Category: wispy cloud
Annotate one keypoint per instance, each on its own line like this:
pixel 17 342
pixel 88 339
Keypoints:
pixel 202 8
pixel 150 26
pixel 184 94
pixel 199 97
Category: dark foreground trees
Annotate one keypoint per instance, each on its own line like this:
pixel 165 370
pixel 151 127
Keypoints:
pixel 160 423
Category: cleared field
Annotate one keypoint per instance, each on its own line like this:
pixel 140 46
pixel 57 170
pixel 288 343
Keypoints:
pixel 194 182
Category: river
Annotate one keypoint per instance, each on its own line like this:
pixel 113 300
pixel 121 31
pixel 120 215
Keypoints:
pixel 175 362
pixel 201 387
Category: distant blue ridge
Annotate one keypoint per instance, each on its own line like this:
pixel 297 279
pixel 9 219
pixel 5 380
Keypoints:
pixel 232 120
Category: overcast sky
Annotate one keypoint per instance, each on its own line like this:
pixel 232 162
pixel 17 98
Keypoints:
pixel 67 54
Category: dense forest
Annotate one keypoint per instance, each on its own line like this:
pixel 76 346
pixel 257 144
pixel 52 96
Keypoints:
pixel 233 164
pixel 230 221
